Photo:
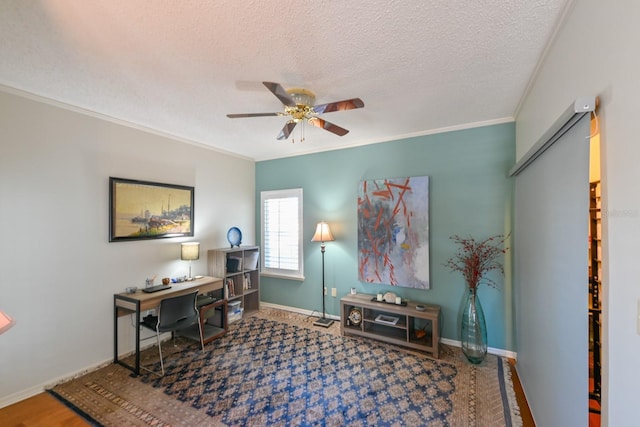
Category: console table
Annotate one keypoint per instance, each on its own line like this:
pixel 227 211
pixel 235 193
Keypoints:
pixel 403 325
pixel 125 303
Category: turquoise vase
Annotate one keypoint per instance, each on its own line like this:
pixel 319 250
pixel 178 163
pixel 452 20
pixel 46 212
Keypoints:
pixel 473 329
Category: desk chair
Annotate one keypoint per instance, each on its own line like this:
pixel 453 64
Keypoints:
pixel 174 314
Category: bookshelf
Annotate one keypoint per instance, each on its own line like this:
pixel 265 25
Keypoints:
pixel 240 269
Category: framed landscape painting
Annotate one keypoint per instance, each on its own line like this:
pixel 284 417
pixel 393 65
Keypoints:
pixel 149 210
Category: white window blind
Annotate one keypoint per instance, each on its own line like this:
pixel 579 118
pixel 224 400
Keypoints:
pixel 281 217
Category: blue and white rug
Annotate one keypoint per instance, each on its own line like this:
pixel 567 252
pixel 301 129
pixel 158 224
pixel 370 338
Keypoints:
pixel 277 369
pixel 268 373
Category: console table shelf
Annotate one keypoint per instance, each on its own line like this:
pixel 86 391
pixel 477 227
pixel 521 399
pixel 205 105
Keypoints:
pixel 394 324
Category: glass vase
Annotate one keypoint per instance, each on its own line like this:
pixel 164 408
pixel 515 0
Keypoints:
pixel 473 329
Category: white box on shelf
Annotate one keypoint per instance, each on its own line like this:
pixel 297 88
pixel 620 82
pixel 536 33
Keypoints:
pixel 235 315
pixel 386 319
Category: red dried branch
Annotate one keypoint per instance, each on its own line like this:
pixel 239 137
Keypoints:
pixel 475 259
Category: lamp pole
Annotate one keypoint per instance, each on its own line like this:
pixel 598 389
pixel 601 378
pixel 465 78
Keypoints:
pixel 322 246
pixel 323 234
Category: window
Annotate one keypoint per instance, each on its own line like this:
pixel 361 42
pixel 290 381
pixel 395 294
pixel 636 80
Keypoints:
pixel 281 219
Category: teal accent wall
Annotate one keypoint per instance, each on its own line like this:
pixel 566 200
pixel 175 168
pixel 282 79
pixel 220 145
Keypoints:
pixel 470 195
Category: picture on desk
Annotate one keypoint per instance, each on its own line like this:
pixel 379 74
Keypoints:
pixel 149 210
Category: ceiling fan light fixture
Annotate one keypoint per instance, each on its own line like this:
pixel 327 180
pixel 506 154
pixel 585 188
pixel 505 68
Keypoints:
pixel 302 97
pixel 299 105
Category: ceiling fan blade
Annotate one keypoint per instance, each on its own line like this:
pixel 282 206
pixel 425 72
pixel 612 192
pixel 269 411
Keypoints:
pixel 280 93
pixel 318 122
pixel 286 130
pixel 237 116
pixel 347 104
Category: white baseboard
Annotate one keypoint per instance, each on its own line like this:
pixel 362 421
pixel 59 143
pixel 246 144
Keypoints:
pixel 297 310
pixel 453 343
pixel 37 389
pixel 21 395
pixel 40 388
pixel 490 350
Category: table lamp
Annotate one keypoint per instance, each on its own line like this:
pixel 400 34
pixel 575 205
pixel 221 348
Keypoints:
pixel 190 251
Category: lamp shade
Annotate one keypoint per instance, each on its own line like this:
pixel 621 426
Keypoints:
pixel 323 233
pixel 190 251
pixel 6 322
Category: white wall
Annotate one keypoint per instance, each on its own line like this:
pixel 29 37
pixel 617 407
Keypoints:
pixel 58 270
pixel 596 53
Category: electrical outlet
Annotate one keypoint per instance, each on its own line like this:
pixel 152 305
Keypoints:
pixel 325 290
pixel 334 292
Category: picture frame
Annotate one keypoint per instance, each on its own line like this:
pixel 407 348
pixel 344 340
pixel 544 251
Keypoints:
pixel 386 319
pixel 141 210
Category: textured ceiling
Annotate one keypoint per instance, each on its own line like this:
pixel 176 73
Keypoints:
pixel 179 67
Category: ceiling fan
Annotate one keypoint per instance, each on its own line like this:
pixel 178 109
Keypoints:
pixel 299 106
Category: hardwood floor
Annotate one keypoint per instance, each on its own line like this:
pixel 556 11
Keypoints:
pixel 44 410
pixel 41 410
pixel 525 412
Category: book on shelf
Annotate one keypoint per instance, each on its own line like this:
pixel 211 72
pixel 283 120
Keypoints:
pixel 229 289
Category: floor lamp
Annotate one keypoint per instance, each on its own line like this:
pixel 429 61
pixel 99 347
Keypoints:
pixel 323 234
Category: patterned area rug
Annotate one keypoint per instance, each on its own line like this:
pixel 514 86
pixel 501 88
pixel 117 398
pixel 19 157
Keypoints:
pixel 275 368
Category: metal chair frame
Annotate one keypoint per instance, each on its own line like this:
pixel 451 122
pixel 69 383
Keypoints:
pixel 175 314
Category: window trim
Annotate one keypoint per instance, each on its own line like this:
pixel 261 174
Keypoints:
pixel 281 273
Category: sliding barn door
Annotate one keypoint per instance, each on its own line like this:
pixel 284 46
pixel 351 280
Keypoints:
pixel 551 278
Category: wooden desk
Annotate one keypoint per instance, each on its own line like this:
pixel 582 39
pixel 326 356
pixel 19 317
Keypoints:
pixel 125 303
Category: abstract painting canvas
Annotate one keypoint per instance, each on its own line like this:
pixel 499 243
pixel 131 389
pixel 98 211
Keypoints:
pixel 393 231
